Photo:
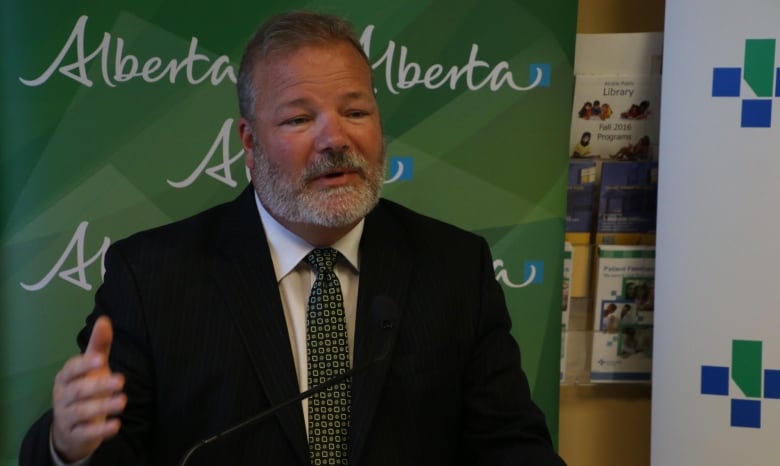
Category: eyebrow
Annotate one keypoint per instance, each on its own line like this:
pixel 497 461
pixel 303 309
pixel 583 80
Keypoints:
pixel 348 96
pixel 355 95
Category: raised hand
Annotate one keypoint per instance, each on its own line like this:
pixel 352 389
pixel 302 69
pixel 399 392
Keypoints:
pixel 85 394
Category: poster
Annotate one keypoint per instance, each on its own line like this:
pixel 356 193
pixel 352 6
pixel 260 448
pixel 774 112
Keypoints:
pixel 120 117
pixel 717 353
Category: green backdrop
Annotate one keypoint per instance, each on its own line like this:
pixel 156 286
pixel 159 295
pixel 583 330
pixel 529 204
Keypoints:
pixel 119 116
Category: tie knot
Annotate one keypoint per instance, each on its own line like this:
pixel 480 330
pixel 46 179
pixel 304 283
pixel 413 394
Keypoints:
pixel 322 259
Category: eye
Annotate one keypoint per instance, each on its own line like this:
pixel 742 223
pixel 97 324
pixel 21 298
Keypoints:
pixel 295 121
pixel 355 113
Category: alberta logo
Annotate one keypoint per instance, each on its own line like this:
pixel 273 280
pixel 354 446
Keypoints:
pixel 400 169
pixel 760 75
pixel 533 273
pixel 746 372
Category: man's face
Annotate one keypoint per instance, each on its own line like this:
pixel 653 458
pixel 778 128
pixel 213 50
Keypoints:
pixel 315 148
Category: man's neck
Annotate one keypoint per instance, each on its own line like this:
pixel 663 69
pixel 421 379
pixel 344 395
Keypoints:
pixel 316 235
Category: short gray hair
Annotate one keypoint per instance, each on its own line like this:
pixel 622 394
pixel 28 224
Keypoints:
pixel 288 32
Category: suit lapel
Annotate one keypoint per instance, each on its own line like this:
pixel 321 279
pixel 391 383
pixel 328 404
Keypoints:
pixel 244 272
pixel 386 263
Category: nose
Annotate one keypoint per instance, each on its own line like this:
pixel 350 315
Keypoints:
pixel 331 134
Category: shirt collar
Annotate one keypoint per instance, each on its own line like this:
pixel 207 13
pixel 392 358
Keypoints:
pixel 289 249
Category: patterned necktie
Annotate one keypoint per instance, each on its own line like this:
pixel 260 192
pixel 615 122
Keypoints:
pixel 328 355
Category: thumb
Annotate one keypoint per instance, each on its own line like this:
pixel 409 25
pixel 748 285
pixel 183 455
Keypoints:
pixel 100 340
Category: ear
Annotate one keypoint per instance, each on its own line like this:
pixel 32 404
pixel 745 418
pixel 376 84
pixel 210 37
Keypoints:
pixel 247 137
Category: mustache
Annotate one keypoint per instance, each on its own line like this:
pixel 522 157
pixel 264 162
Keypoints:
pixel 336 160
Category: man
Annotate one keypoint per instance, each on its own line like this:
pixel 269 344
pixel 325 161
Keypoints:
pixel 208 316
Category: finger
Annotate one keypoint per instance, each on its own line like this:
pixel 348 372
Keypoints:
pixel 96 430
pixel 100 340
pixel 95 357
pixel 80 366
pixel 93 411
pixel 86 388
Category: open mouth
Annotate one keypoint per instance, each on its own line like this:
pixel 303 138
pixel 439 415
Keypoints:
pixel 339 173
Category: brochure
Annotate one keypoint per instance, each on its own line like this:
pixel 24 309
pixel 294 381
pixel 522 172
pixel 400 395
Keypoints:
pixel 623 314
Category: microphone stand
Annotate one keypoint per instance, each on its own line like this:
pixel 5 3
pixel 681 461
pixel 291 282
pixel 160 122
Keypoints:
pixel 268 412
pixel 385 312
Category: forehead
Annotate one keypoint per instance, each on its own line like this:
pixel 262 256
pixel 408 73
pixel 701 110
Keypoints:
pixel 333 64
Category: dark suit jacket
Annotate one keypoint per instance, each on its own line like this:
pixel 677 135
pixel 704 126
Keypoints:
pixel 200 335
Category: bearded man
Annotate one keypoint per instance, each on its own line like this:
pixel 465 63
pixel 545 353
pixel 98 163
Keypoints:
pixel 305 277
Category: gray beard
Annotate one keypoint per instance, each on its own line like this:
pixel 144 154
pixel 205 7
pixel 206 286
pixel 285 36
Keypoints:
pixel 295 201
